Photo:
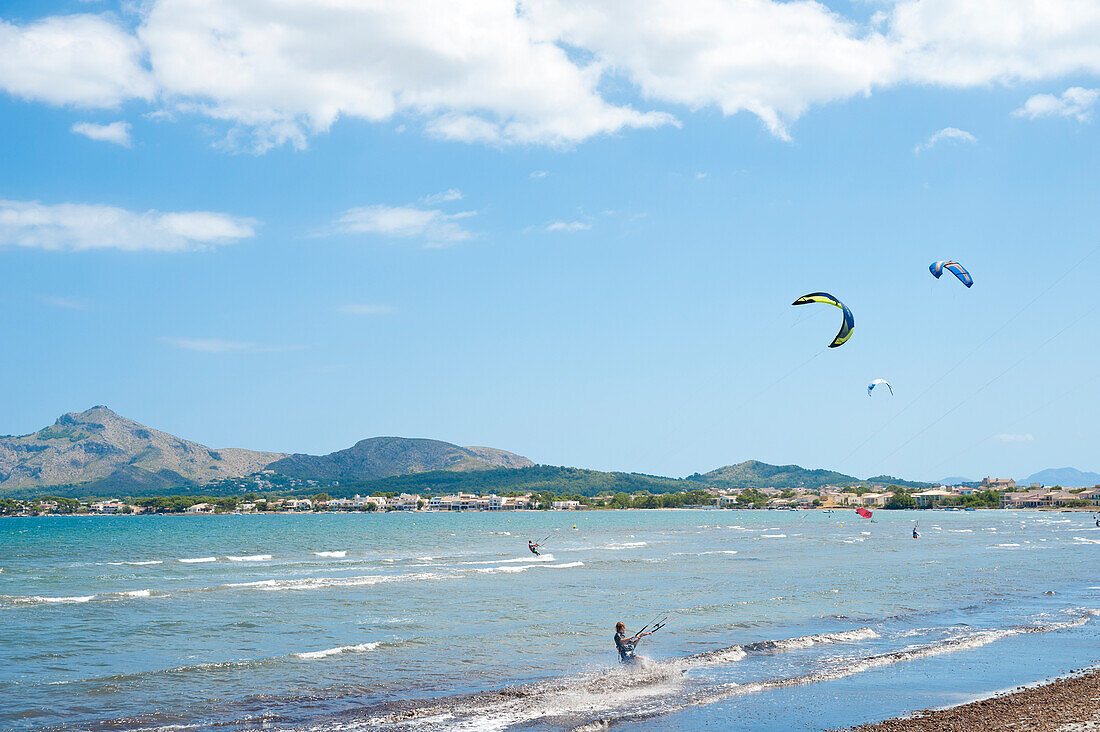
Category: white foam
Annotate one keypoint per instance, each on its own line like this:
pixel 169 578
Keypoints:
pixel 312 583
pixel 961 531
pixel 138 564
pixel 198 560
pixel 311 655
pixel 773 536
pixel 1007 544
pixel 44 600
pixel 865 533
pixel 250 558
pixel 623 545
pixel 338 555
pixel 525 567
pixel 1083 540
pixel 136 593
pixel 722 551
pixel 539 558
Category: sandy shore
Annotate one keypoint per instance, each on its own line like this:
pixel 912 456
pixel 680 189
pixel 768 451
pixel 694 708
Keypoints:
pixel 1070 704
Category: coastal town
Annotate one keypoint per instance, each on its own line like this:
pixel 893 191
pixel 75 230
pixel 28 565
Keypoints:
pixel 991 493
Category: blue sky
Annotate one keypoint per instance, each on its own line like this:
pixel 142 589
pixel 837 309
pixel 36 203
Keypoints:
pixel 603 279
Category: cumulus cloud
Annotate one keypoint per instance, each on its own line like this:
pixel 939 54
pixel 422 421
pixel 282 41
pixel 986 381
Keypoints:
pixel 535 174
pixel 217 345
pixel 1075 102
pixel 568 226
pixel 473 71
pixel 405 222
pixel 360 309
pixel 116 132
pixel 1008 437
pixel 531 71
pixel 82 60
pixel 79 226
pixel 949 134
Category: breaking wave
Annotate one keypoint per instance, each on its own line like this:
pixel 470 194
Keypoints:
pixel 44 600
pixel 333 554
pixel 651 689
pixel 198 560
pixel 312 583
pixel 250 558
pixel 311 655
pixel 525 567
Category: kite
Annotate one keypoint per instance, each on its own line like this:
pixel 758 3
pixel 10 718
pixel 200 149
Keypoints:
pixel 937 268
pixel 876 382
pixel 863 512
pixel 847 325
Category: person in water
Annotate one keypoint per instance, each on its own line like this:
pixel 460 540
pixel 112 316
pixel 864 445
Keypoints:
pixel 533 547
pixel 626 645
pixel 915 534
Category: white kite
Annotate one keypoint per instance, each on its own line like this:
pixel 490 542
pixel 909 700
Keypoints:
pixel 876 382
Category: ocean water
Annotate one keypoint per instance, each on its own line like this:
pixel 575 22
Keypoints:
pixel 777 620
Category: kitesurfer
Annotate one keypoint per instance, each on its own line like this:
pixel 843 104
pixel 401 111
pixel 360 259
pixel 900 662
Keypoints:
pixel 915 534
pixel 626 645
pixel 533 547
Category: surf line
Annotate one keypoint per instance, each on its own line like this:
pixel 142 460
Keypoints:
pixel 854 666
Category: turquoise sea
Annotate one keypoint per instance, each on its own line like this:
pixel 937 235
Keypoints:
pixel 779 620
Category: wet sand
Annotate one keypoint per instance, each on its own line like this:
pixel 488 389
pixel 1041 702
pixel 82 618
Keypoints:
pixel 1069 704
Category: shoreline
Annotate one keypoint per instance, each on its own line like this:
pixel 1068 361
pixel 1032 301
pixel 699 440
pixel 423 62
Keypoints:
pixel 1073 509
pixel 1069 703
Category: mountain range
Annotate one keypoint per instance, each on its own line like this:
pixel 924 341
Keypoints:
pixel 1065 477
pixel 99 453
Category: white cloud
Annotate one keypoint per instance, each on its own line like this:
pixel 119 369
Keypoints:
pixel 951 134
pixel 530 71
pixel 1014 437
pixel 287 69
pixel 1075 102
pixel 405 222
pixel 116 132
pixel 79 226
pixel 773 59
pixel 700 176
pixel 568 226
pixel 82 60
pixel 451 194
pixel 539 174
pixel 65 303
pixel 216 345
pixel 360 309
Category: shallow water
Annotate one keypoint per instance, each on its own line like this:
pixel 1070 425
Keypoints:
pixel 780 620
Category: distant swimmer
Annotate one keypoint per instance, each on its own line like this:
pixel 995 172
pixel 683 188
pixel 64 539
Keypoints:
pixel 533 547
pixel 626 645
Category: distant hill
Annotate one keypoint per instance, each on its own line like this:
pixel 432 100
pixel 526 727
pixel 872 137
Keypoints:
pixel 382 457
pixel 110 453
pixel 755 474
pixel 535 478
pixel 1065 477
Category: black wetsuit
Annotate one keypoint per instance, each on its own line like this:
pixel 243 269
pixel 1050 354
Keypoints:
pixel 626 648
